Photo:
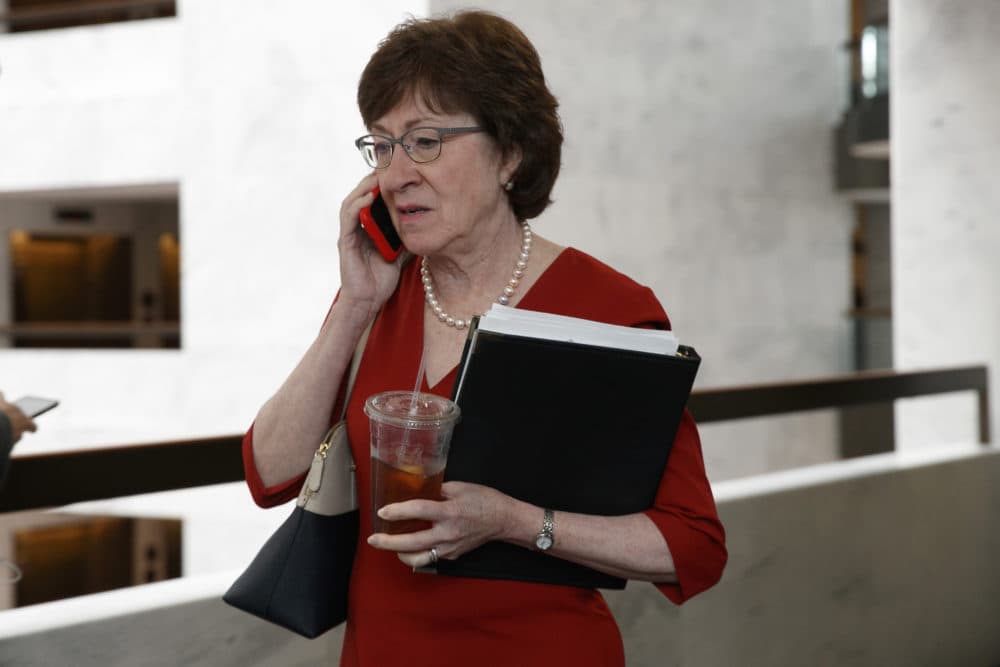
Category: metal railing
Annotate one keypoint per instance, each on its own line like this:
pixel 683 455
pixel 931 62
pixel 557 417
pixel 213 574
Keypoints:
pixel 69 13
pixel 52 480
pixel 759 400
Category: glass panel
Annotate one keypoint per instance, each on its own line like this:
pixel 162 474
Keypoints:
pixel 875 60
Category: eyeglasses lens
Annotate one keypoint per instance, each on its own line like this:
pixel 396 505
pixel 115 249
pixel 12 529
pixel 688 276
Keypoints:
pixel 423 145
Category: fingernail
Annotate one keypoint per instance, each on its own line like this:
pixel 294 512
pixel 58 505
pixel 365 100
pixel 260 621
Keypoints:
pixel 381 513
pixel 371 540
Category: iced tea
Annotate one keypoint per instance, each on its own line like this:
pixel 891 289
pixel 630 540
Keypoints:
pixel 410 434
pixel 392 485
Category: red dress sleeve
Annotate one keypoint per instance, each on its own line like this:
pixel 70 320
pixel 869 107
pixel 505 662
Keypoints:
pixel 267 496
pixel 684 511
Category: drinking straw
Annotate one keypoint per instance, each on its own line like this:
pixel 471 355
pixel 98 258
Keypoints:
pixel 420 381
pixel 413 401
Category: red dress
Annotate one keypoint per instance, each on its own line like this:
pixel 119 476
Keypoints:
pixel 398 617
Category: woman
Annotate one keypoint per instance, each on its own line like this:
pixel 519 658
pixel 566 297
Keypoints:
pixel 465 144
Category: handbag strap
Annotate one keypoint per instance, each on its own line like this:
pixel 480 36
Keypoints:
pixel 355 363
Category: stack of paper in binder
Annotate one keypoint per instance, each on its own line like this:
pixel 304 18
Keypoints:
pixel 568 414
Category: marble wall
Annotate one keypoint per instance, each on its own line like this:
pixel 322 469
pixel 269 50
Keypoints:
pixel 170 624
pixel 884 560
pixel 945 205
pixel 698 160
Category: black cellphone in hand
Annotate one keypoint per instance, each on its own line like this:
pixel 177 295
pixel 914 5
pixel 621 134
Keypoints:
pixel 377 224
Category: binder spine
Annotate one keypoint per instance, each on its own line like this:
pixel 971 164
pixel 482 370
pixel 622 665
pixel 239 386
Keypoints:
pixel 466 351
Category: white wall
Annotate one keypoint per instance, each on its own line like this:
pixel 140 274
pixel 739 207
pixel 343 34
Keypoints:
pixel 698 160
pixel 249 106
pixel 945 204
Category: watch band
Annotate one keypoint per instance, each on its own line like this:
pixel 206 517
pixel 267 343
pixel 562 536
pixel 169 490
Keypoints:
pixel 548 521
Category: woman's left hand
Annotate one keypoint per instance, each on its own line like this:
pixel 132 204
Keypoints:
pixel 469 515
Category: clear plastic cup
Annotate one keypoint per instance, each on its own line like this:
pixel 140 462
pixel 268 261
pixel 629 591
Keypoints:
pixel 410 435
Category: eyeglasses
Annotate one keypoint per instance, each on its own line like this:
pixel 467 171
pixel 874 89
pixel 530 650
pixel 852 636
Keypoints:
pixel 422 144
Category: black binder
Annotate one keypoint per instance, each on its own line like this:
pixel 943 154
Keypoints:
pixel 567 426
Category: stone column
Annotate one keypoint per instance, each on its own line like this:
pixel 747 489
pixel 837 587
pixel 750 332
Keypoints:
pixel 945 143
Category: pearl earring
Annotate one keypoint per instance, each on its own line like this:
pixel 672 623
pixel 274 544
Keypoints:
pixel 508 186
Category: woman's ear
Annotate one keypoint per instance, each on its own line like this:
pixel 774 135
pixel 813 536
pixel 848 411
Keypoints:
pixel 511 162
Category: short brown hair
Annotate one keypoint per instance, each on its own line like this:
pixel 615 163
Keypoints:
pixel 477 63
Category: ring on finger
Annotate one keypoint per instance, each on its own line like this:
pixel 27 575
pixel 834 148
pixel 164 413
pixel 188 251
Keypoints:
pixel 433 553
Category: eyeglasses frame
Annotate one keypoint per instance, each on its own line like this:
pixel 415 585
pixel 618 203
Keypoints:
pixel 442 133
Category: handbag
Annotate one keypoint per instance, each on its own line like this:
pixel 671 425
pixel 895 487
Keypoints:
pixel 299 579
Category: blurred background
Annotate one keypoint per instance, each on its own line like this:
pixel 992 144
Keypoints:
pixel 807 187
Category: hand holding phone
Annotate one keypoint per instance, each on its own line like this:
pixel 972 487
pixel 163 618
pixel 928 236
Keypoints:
pixel 377 223
pixel 20 413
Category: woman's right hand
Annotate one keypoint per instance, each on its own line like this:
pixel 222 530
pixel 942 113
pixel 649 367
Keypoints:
pixel 365 277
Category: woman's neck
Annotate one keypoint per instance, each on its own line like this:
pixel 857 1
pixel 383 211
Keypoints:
pixel 468 283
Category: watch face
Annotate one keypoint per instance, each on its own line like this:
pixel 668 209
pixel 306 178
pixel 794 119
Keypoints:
pixel 543 541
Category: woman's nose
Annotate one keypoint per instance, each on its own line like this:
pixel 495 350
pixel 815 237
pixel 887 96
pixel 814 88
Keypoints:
pixel 401 172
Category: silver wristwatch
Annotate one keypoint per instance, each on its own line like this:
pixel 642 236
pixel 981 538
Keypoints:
pixel 545 539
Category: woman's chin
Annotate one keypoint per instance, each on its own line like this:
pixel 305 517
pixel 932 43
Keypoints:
pixel 420 245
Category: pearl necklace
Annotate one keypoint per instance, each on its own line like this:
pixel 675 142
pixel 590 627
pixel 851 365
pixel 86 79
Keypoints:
pixel 431 298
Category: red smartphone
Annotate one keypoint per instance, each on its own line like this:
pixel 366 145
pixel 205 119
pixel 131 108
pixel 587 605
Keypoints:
pixel 377 224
